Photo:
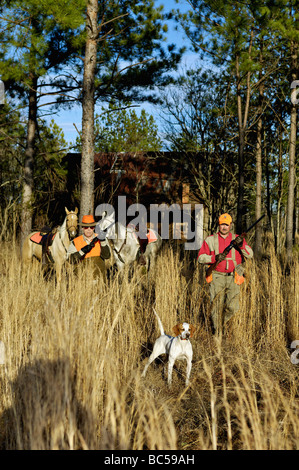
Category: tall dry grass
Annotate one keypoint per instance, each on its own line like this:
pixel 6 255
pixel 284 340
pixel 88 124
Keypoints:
pixel 75 353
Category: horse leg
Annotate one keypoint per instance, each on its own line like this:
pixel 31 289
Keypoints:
pixel 58 271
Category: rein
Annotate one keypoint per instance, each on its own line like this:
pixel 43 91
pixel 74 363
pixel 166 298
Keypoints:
pixel 118 251
pixel 62 242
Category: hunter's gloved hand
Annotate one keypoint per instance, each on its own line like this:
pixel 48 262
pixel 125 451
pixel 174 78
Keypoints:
pixel 240 270
pixel 101 234
pixel 86 249
pixel 220 257
pixel 238 241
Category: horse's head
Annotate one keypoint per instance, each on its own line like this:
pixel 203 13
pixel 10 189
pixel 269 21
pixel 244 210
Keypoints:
pixel 106 221
pixel 71 222
pixel 106 224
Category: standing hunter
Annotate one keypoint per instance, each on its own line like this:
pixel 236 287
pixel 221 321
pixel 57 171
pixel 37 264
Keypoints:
pixel 228 275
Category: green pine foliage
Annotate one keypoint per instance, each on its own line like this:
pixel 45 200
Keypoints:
pixel 37 37
pixel 122 130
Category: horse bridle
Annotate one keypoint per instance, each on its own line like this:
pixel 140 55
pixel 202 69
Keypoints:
pixel 75 224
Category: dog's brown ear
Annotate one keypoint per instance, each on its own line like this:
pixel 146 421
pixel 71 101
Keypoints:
pixel 177 329
pixel 192 330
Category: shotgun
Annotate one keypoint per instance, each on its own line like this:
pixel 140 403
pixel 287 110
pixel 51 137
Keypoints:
pixel 230 246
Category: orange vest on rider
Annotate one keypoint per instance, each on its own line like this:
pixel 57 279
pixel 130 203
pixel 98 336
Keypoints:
pixel 79 242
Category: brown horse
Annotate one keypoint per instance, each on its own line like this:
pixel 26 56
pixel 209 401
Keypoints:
pixel 59 245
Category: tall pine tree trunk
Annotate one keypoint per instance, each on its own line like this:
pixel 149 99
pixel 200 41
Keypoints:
pixel 26 222
pixel 240 206
pixel 292 156
pixel 258 201
pixel 259 166
pixel 279 225
pixel 87 158
pixel 242 121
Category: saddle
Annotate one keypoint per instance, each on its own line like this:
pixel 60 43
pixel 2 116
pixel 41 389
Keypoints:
pixel 45 238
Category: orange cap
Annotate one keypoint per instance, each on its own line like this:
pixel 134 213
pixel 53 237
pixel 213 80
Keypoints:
pixel 225 219
pixel 88 221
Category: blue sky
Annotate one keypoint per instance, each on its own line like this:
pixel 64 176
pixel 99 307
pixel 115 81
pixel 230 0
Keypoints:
pixel 67 120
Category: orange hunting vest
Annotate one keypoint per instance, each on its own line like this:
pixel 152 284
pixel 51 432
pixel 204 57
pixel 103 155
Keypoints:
pixel 79 242
pixel 215 247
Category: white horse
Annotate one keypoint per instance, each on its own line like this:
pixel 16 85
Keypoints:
pixel 124 242
pixel 59 245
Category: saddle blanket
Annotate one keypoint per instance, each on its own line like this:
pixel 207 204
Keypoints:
pixel 151 236
pixel 37 238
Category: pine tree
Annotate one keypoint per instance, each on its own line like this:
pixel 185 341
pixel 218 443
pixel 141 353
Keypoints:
pixel 123 57
pixel 38 37
pixel 231 34
pixel 285 22
pixel 121 130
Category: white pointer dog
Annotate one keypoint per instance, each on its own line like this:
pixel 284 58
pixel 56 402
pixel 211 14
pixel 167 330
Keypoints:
pixel 178 347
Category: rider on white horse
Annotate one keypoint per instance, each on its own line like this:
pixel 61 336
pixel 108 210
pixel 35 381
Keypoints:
pixel 126 244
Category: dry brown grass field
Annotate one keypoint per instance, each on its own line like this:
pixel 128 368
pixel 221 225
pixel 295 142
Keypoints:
pixel 74 354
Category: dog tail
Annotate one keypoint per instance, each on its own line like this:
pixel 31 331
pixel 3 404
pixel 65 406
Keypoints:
pixel 159 322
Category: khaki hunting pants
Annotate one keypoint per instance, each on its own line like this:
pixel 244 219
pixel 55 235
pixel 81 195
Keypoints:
pixel 224 295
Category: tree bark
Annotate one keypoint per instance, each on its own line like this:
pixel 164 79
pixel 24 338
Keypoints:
pixel 292 158
pixel 258 201
pixel 279 192
pixel 259 169
pixel 87 158
pixel 242 121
